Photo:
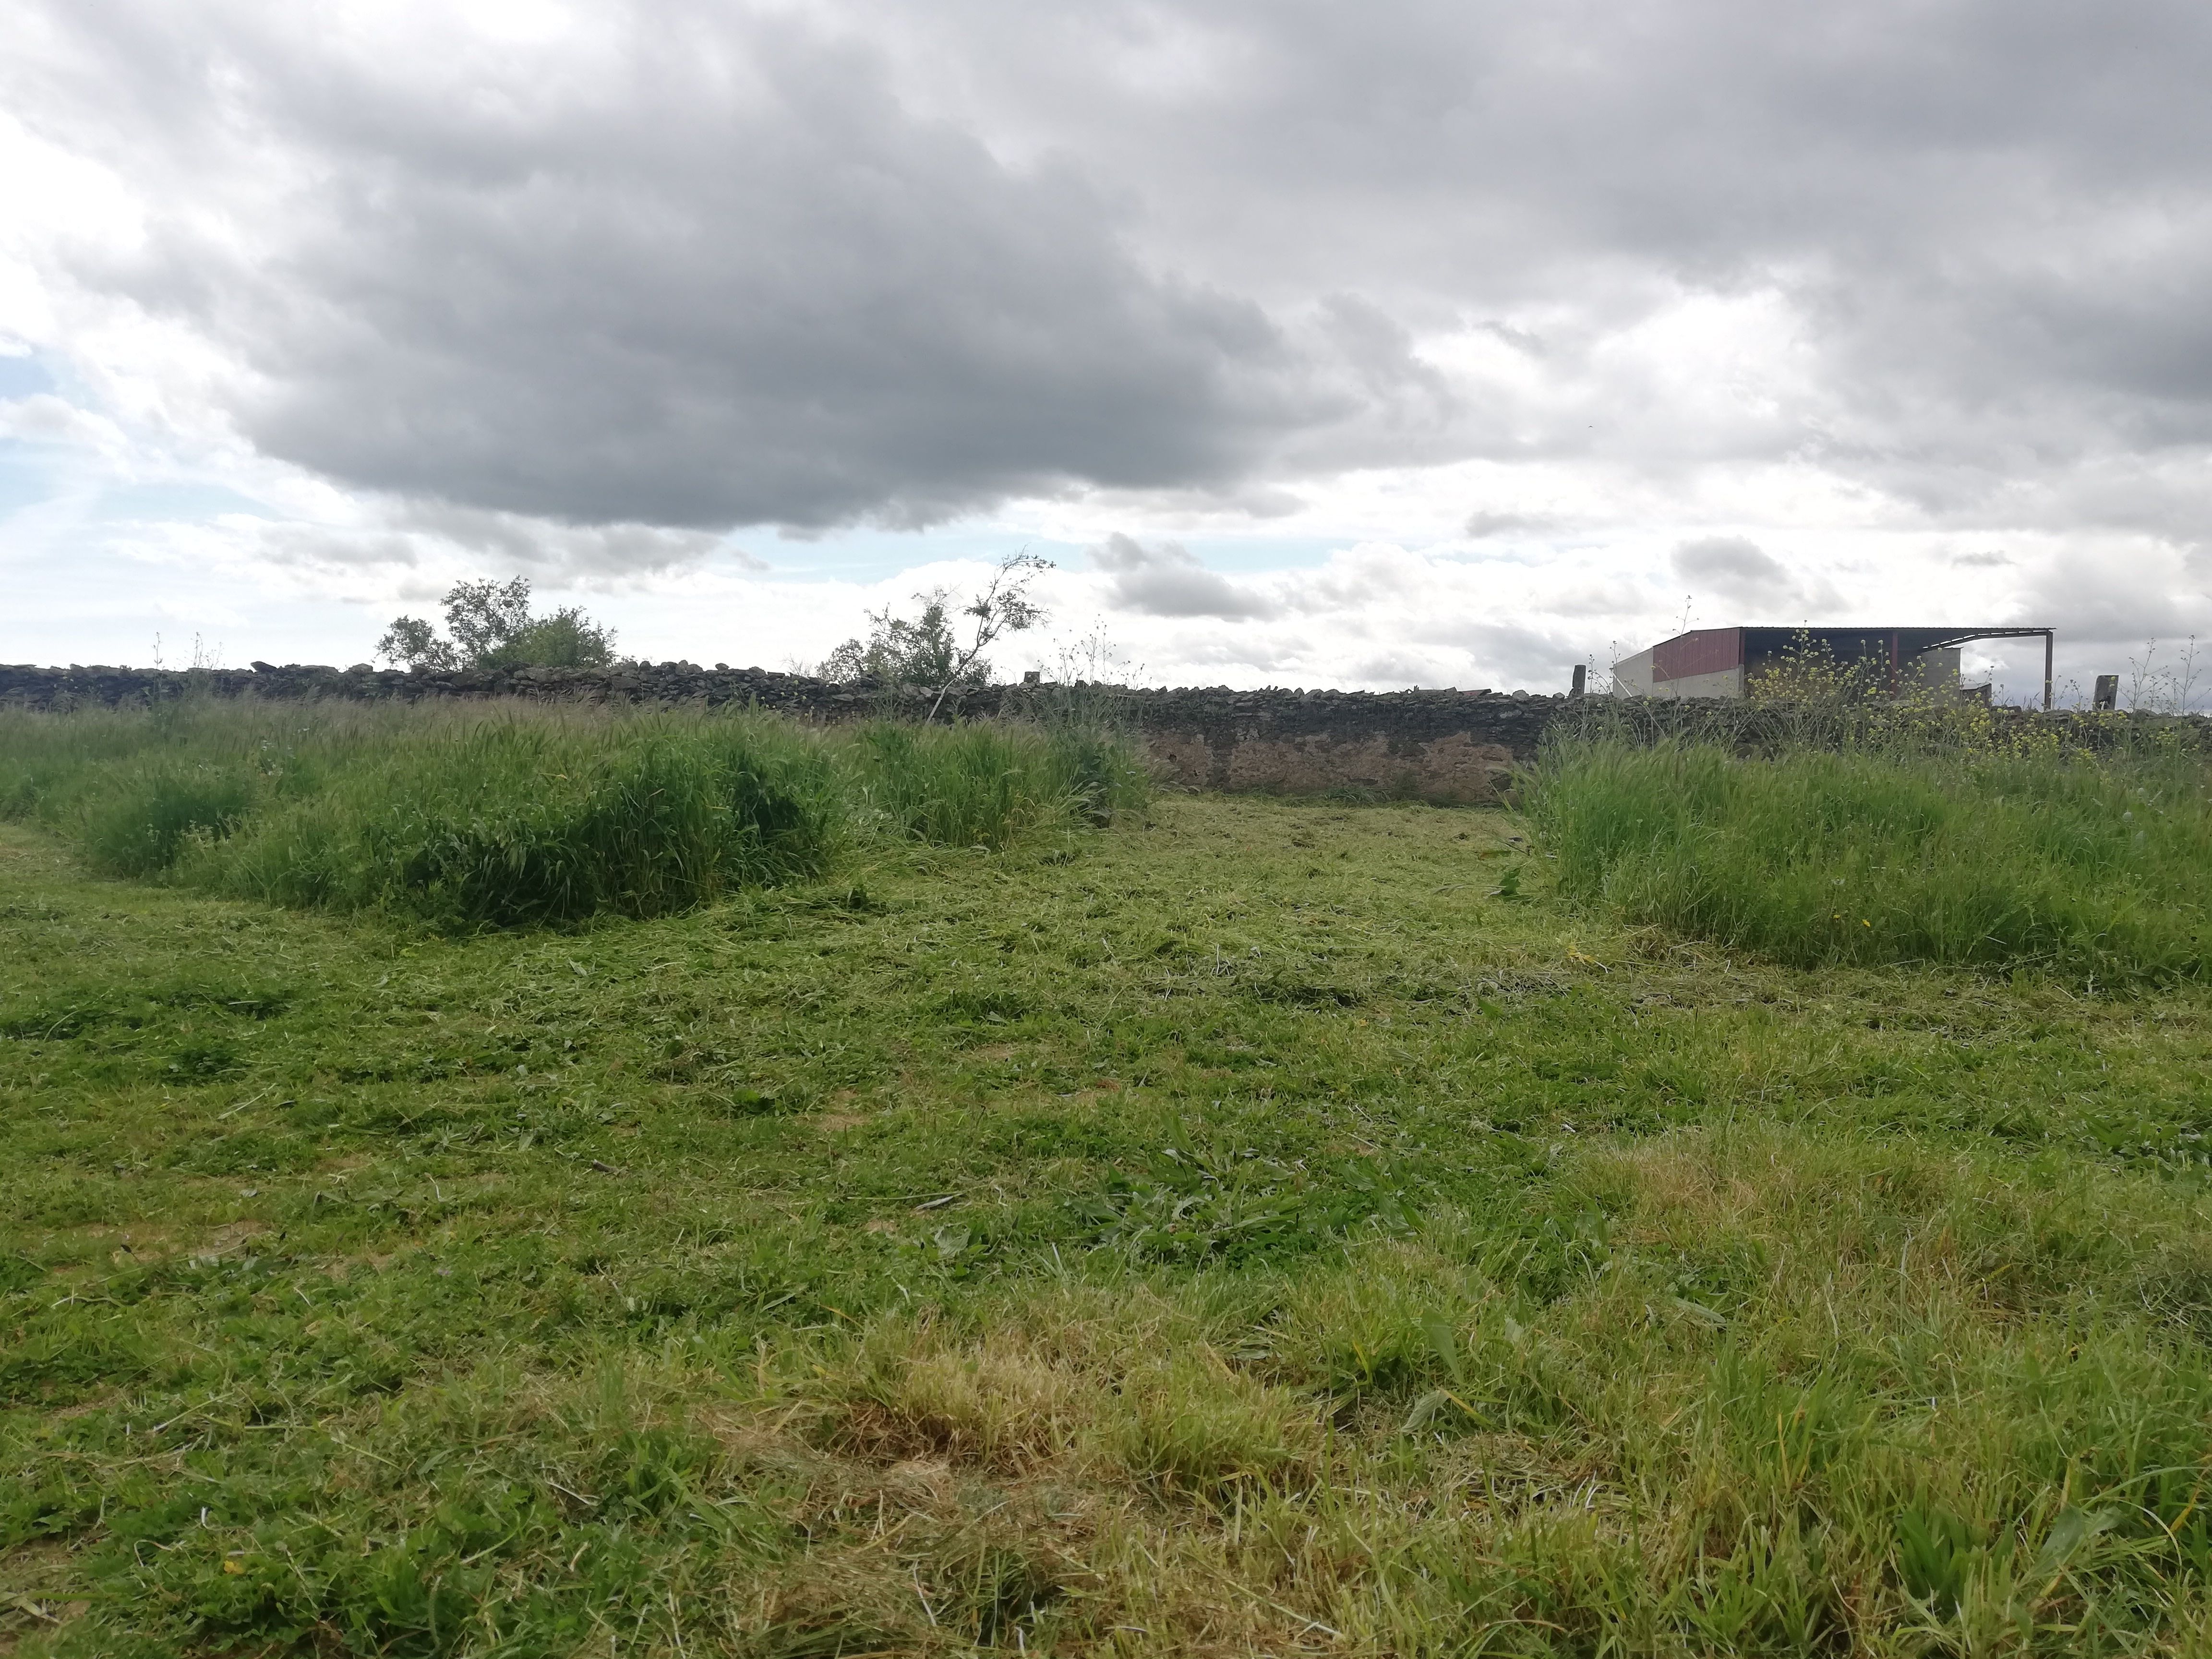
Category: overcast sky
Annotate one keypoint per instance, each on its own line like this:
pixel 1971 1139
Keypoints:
pixel 1418 341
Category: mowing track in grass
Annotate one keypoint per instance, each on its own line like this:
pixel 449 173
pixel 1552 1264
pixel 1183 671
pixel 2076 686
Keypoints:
pixel 1245 1229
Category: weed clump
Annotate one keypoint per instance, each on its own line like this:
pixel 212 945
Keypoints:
pixel 988 786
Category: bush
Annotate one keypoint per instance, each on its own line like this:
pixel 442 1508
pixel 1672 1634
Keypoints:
pixel 1817 857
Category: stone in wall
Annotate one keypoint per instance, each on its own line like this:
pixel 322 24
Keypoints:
pixel 1453 768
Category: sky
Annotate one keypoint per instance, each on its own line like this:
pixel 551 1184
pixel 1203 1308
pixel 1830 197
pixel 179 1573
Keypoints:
pixel 1415 342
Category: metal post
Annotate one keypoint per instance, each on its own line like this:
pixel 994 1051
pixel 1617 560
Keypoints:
pixel 2050 644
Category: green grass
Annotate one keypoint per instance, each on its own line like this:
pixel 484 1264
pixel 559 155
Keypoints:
pixel 2096 870
pixel 510 825
pixel 526 816
pixel 1242 1229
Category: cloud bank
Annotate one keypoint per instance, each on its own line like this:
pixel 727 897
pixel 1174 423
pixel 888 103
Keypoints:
pixel 585 287
pixel 700 265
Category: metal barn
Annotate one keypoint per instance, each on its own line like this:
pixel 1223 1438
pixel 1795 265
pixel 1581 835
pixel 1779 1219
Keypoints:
pixel 1721 662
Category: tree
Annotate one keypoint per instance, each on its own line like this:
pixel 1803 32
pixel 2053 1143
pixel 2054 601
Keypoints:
pixel 927 654
pixel 413 643
pixel 565 639
pixel 485 618
pixel 900 653
pixel 491 627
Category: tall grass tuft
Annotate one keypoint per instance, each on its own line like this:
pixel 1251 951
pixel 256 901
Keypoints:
pixel 522 815
pixel 511 825
pixel 141 825
pixel 1101 768
pixel 989 785
pixel 1815 857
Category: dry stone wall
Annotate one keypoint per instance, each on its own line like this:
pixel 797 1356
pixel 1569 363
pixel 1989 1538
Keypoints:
pixel 1436 745
pixel 1457 746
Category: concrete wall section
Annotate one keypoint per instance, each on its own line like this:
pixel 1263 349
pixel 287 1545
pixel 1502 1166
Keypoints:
pixel 1721 682
pixel 1432 745
pixel 1934 671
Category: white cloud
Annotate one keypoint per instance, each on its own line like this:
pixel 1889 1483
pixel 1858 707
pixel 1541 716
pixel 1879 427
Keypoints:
pixel 1360 343
pixel 1165 581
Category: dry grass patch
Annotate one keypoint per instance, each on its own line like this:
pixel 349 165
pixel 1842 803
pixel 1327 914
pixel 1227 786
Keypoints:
pixel 998 1406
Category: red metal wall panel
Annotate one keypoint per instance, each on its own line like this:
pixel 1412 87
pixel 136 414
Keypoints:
pixel 1704 651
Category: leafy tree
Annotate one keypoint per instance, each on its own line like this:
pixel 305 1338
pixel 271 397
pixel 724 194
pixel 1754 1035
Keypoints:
pixel 486 617
pixel 491 626
pixel 928 653
pixel 410 643
pixel 565 639
pixel 898 652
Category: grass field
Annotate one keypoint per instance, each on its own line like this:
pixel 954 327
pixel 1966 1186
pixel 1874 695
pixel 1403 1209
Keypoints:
pixel 1243 1228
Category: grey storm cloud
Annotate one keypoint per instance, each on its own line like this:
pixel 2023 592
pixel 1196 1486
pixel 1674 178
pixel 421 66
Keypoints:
pixel 698 265
pixel 1486 523
pixel 1166 580
pixel 571 551
pixel 1733 568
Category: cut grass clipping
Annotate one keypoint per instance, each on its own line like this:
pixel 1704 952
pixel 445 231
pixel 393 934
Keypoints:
pixel 529 816
pixel 2094 869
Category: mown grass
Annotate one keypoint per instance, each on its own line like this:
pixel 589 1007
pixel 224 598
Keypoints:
pixel 2094 867
pixel 1255 1228
pixel 526 815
